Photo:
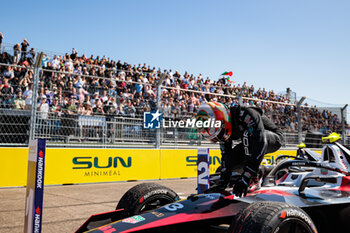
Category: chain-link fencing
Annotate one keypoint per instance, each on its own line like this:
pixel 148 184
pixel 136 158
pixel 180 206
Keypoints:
pixel 72 102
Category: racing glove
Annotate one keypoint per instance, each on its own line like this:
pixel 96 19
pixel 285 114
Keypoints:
pixel 242 184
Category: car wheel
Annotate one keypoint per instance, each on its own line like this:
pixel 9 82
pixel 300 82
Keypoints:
pixel 276 217
pixel 144 197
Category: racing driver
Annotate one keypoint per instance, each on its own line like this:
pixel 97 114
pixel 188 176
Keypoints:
pixel 258 135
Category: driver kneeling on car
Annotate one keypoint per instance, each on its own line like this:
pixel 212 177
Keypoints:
pixel 258 134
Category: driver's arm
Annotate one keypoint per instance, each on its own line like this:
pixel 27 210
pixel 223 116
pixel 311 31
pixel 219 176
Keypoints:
pixel 254 140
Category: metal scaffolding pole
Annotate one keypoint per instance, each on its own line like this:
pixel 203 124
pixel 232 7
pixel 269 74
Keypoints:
pixel 300 139
pixel 37 70
pixel 342 110
pixel 159 93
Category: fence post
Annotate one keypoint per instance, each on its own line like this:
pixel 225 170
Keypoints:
pixel 159 93
pixel 240 99
pixel 342 110
pixel 299 119
pixel 37 69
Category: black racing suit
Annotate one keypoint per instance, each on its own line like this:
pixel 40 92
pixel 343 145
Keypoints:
pixel 259 136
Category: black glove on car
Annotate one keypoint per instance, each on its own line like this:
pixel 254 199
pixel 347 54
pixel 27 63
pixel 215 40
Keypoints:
pixel 242 184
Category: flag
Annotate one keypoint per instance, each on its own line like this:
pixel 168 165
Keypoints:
pixel 227 73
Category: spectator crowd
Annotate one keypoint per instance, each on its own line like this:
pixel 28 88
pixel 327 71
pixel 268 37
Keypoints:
pixel 75 84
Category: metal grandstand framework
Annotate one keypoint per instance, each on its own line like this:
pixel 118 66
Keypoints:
pixel 21 119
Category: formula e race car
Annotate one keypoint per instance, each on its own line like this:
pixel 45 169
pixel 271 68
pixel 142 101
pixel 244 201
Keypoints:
pixel 313 198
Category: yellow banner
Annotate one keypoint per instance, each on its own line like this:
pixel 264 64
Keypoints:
pixel 69 166
pixel 100 165
pixel 183 163
pixel 13 171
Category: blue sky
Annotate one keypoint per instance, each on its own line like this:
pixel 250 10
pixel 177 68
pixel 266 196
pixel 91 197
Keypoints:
pixel 274 44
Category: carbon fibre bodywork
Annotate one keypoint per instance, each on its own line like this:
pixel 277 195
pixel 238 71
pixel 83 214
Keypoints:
pixel 206 212
pixel 322 192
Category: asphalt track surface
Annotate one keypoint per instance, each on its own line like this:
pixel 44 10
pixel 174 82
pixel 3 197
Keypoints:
pixel 67 207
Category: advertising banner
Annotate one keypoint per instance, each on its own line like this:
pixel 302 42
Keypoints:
pixel 70 166
pixel 67 166
pixel 35 186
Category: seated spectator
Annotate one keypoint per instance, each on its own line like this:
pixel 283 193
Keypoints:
pixel 98 109
pixel 8 73
pixel 88 109
pixel 6 92
pixel 17 102
pixel 71 108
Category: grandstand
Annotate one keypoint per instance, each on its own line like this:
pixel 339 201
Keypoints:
pixel 97 101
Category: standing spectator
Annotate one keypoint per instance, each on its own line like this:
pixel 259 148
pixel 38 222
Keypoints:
pixel 24 47
pixel 43 108
pixel 27 95
pixel 74 54
pixel 44 61
pixel 43 115
pixel 55 62
pixel 30 56
pixel 1 38
pixel 16 53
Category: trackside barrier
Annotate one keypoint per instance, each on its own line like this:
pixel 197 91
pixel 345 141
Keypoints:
pixel 35 186
pixel 70 166
pixel 203 180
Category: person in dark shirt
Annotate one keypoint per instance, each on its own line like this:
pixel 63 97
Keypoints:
pixel 24 47
pixel 258 134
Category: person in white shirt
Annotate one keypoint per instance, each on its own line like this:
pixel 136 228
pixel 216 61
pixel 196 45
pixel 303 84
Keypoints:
pixel 69 64
pixel 43 109
pixel 27 96
pixel 55 62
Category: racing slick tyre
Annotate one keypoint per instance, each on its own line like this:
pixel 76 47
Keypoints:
pixel 276 217
pixel 144 197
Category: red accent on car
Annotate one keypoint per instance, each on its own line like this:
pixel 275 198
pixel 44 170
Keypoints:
pixel 186 217
pixel 345 184
pixel 273 192
pixel 107 229
pixel 284 177
pixel 141 199
pixel 283 214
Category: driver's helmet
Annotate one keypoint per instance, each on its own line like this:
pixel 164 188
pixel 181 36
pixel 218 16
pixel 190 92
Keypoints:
pixel 215 112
